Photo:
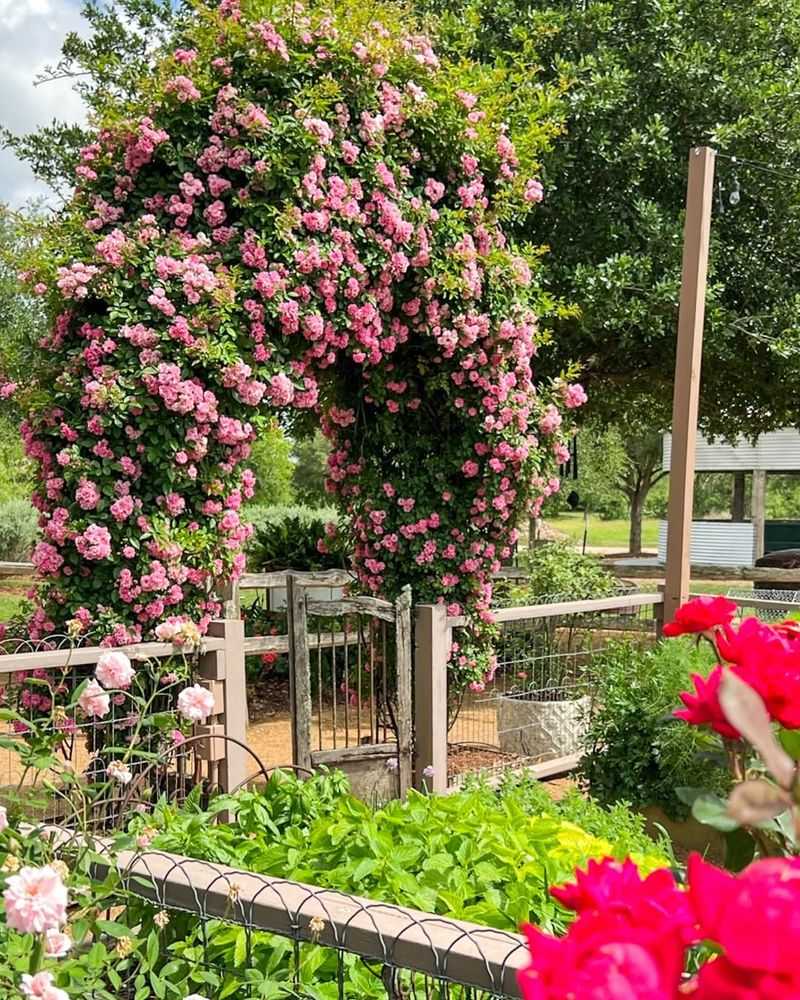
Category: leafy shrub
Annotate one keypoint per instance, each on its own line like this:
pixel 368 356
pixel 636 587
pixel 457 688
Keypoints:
pixel 557 571
pixel 482 855
pixel 289 537
pixel 635 751
pixel 18 530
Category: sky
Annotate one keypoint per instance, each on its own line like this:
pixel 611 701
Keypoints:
pixel 31 33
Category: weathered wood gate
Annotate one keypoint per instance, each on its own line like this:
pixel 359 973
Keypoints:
pixel 350 686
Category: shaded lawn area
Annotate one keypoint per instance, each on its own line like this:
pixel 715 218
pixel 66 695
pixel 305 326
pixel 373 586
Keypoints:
pixel 12 594
pixel 604 534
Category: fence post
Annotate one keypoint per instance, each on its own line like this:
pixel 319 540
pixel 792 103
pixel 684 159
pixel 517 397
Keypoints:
pixel 432 645
pixel 688 359
pixel 226 668
pixel 299 672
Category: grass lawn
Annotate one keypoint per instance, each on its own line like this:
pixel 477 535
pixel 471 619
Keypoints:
pixel 604 534
pixel 12 593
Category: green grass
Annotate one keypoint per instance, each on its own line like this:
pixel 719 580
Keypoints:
pixel 605 534
pixel 12 594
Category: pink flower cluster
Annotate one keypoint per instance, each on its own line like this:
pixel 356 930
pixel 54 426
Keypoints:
pixel 382 294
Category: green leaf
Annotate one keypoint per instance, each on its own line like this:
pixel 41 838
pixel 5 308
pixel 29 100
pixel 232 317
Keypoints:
pixel 713 811
pixel 740 848
pixel 789 739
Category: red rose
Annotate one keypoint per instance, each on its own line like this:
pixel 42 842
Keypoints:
pixel 701 614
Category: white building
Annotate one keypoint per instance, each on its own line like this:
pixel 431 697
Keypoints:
pixel 737 541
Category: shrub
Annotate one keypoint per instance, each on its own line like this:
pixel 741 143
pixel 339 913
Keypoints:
pixel 634 750
pixel 293 538
pixel 18 530
pixel 556 571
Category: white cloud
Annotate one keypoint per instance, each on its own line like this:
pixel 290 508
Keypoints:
pixel 31 33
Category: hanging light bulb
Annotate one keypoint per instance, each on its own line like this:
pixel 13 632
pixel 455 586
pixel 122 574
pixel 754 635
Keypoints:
pixel 736 194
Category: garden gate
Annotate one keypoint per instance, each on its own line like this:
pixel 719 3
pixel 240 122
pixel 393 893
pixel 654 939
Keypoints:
pixel 350 686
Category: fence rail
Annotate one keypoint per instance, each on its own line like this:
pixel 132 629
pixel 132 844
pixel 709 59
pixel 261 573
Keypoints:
pixel 531 711
pixel 437 949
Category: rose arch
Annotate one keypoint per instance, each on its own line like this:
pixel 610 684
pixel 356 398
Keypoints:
pixel 304 212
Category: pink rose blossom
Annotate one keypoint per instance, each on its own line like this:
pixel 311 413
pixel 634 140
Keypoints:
pixel 93 701
pixel 57 944
pixel 196 703
pixel 114 670
pixel 41 987
pixel 35 900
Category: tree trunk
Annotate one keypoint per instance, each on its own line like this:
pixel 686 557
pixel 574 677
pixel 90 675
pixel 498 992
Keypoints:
pixel 637 511
pixel 737 499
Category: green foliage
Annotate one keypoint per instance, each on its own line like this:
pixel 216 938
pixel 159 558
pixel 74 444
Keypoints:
pixel 557 570
pixel 646 80
pixel 271 461
pixel 288 537
pixel 18 530
pixel 482 855
pixel 310 454
pixel 634 750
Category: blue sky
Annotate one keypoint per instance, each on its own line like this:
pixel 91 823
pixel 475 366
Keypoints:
pixel 31 33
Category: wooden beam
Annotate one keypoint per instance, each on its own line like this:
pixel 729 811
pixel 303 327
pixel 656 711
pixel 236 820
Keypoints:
pixel 686 396
pixel 758 504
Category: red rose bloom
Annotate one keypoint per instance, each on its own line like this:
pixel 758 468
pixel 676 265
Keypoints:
pixel 701 614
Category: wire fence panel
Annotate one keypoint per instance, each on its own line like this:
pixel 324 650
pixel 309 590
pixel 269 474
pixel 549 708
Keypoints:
pixel 768 605
pixel 536 706
pixel 252 936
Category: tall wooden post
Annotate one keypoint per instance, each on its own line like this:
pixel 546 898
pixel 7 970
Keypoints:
pixel 432 644
pixel 696 236
pixel 758 505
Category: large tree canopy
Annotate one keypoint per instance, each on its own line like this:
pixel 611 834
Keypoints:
pixel 645 80
pixel 296 210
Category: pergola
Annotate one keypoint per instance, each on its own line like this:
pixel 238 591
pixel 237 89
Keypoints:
pixel 739 541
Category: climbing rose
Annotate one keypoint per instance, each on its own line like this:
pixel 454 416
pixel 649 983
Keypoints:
pixel 93 701
pixel 196 703
pixel 701 614
pixel 114 670
pixel 36 901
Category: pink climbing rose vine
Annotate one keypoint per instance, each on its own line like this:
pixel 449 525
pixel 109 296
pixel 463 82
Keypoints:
pixel 305 212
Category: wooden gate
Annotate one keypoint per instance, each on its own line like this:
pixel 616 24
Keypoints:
pixel 350 687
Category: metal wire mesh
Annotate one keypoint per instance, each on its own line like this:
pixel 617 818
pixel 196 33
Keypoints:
pixel 537 705
pixel 251 936
pixel 768 605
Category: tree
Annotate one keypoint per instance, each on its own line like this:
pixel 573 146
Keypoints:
pixel 271 461
pixel 646 80
pixel 310 454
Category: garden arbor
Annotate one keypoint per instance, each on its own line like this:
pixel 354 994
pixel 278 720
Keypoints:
pixel 305 213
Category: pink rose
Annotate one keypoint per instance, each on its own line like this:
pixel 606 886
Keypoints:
pixel 94 702
pixel 57 944
pixel 196 703
pixel 40 987
pixel 36 901
pixel 3 819
pixel 114 670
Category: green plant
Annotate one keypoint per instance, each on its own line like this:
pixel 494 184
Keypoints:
pixel 18 530
pixel 557 572
pixel 290 538
pixel 482 855
pixel 634 750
